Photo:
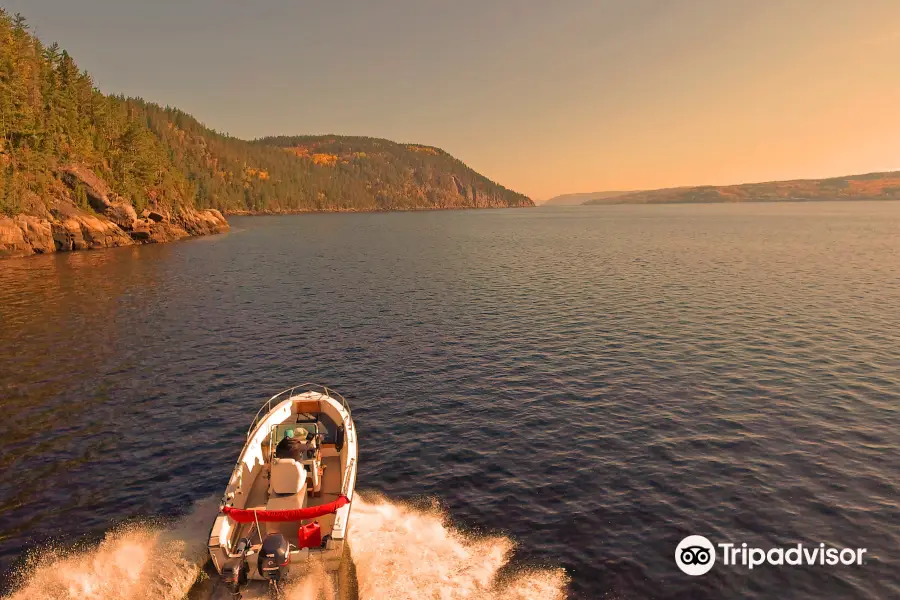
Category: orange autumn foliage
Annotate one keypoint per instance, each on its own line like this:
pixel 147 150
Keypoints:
pixel 301 151
pixel 328 160
pixel 425 149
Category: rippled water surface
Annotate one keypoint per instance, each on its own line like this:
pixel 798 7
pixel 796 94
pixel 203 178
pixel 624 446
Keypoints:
pixel 591 384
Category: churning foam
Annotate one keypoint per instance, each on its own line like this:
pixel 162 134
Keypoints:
pixel 132 562
pixel 400 553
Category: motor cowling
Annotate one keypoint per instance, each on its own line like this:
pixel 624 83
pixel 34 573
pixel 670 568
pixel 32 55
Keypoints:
pixel 274 557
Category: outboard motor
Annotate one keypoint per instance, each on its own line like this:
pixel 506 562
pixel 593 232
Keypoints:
pixel 236 570
pixel 274 557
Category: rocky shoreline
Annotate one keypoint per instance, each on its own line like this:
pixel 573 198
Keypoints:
pixel 109 221
pixel 24 235
pixel 285 212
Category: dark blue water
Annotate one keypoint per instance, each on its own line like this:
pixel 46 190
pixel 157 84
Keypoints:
pixel 594 382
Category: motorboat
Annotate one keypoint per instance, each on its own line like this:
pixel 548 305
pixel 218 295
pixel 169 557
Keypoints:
pixel 286 508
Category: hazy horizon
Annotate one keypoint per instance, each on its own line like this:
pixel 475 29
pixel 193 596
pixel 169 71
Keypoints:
pixel 545 99
pixel 735 183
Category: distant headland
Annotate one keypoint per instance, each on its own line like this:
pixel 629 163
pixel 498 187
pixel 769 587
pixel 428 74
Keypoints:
pixel 871 186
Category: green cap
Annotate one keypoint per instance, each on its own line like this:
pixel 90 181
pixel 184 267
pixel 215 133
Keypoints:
pixel 289 433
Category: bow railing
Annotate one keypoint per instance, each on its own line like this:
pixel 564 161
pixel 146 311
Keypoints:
pixel 289 393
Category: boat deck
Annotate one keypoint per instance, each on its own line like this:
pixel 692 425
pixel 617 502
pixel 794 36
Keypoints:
pixel 331 489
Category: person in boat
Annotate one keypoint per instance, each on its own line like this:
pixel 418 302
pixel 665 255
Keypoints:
pixel 295 444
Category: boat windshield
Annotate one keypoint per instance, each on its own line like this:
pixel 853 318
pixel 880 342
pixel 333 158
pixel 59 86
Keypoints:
pixel 291 393
pixel 313 428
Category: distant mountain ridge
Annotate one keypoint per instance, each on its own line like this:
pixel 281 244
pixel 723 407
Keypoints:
pixel 869 186
pixel 580 198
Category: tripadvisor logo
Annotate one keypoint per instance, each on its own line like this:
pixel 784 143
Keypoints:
pixel 696 555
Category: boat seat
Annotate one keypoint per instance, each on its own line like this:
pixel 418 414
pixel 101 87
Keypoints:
pixel 287 491
pixel 286 502
pixel 288 477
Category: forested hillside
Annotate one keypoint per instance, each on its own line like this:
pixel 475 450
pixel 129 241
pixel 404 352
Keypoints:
pixel 81 169
pixel 52 116
pixel 318 173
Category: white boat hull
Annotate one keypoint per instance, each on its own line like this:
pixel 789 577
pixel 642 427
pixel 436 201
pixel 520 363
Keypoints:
pixel 263 484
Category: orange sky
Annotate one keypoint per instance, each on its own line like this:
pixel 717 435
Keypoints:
pixel 779 95
pixel 544 97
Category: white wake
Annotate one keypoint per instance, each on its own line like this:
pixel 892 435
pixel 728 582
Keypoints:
pixel 400 553
pixel 132 562
pixel 403 553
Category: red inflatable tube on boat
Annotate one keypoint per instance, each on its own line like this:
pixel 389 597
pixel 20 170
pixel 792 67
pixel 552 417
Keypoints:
pixel 282 516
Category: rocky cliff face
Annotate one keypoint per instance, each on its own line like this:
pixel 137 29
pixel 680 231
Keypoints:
pixel 107 221
pixel 466 196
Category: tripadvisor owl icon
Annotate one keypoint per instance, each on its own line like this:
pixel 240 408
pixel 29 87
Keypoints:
pixel 695 555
